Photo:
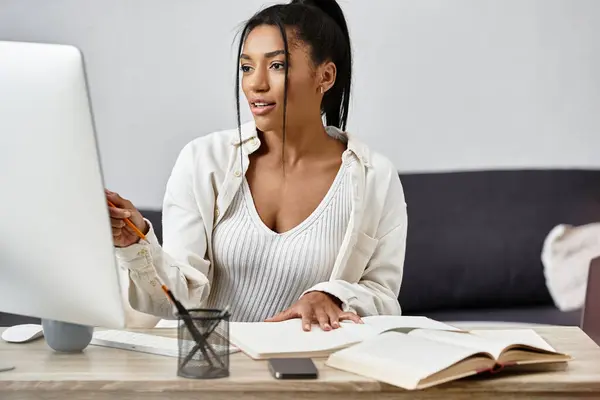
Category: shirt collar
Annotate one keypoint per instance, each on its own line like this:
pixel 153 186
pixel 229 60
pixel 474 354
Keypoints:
pixel 250 140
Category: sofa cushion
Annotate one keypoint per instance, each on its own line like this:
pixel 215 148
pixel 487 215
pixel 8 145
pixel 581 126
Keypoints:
pixel 475 238
pixel 155 218
pixel 548 315
pixel 7 319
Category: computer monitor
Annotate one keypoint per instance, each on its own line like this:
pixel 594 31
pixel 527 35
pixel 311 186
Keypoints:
pixel 590 322
pixel 57 258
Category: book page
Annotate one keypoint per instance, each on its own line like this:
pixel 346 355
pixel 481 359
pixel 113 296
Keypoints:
pixel 465 340
pixel 401 359
pixel 493 341
pixel 518 337
pixel 259 338
pixel 405 324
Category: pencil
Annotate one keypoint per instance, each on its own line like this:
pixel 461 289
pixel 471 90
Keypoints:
pixel 130 224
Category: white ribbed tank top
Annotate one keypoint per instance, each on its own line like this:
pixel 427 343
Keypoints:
pixel 259 272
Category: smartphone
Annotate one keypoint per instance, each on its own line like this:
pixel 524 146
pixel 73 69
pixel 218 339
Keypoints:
pixel 293 368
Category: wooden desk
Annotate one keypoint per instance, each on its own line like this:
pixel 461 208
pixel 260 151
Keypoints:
pixel 110 374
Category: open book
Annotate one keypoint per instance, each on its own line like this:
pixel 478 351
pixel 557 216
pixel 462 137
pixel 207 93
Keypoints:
pixel 422 358
pixel 261 340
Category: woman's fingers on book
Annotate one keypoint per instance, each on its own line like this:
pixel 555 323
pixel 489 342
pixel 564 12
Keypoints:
pixel 350 316
pixel 334 318
pixel 323 319
pixel 316 307
pixel 306 322
pixel 283 316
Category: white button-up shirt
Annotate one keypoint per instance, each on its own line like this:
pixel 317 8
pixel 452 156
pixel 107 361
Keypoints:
pixel 367 273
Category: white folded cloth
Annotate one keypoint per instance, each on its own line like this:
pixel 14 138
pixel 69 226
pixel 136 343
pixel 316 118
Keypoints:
pixel 566 256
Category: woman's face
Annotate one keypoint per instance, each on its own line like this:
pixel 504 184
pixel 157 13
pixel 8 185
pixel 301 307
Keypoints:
pixel 263 78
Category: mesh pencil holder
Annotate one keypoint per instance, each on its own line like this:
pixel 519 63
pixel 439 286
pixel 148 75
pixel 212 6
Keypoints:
pixel 203 340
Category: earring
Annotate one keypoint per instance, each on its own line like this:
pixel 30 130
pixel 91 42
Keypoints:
pixel 321 89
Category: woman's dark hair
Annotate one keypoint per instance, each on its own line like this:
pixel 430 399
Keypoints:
pixel 321 25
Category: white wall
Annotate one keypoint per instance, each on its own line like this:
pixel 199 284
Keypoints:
pixel 440 84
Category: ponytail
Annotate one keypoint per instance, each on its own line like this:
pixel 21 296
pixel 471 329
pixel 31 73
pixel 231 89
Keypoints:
pixel 333 46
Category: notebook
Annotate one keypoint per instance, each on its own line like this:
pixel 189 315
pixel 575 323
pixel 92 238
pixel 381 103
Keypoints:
pixel 422 358
pixel 262 340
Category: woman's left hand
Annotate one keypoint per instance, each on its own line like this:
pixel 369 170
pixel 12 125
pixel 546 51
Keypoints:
pixel 317 307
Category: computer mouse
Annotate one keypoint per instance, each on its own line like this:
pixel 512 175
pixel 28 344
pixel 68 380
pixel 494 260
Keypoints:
pixel 22 333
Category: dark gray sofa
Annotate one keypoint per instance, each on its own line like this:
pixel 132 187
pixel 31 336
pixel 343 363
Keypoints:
pixel 475 239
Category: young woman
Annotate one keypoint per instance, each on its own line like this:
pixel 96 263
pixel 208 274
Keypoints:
pixel 283 217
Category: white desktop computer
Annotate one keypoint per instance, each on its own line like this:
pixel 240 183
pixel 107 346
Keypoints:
pixel 57 258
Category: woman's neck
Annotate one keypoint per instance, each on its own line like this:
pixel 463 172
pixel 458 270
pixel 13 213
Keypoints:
pixel 308 141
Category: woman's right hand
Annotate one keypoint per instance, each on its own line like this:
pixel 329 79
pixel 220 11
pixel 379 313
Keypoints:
pixel 123 235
